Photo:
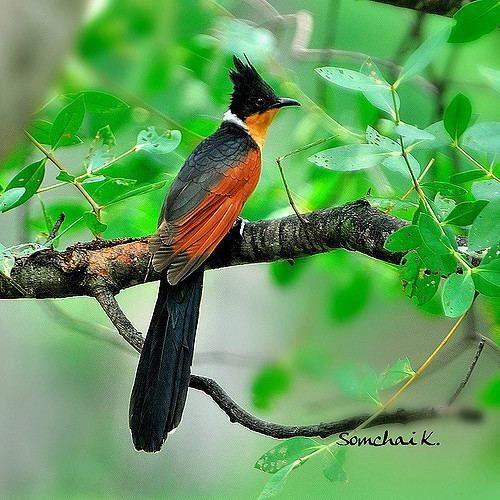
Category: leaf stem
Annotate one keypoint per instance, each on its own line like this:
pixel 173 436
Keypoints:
pixel 95 206
pixel 489 173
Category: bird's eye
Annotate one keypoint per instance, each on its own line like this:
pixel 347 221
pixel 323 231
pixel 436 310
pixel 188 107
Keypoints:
pixel 260 101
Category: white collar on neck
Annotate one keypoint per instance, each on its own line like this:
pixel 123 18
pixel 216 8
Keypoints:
pixel 229 116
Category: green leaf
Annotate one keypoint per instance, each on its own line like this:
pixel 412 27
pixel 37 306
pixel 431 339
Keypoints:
pixel 10 198
pixel 149 140
pixel 381 98
pixel 99 152
pixel 424 54
pixel 277 482
pixel 417 282
pixel 397 163
pixel 474 20
pixel 468 175
pixel 285 453
pixel 30 178
pixel 333 466
pixel 7 260
pixel 404 239
pixel 67 123
pixel 413 133
pixel 270 382
pixel 445 188
pixel 458 294
pixel 483 137
pixel 65 176
pixel 487 276
pixel 377 139
pixel 490 394
pixel 485 231
pixel 486 190
pixel 457 116
pixel 441 137
pixel 349 158
pixel 95 226
pixel 101 102
pixel 40 130
pixel 442 265
pixel 394 374
pixel 352 80
pixel 145 188
pixel 465 213
pixel 432 235
pixel 442 207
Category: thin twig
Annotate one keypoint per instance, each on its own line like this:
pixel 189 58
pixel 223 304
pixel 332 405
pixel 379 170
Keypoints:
pixel 56 227
pixel 465 381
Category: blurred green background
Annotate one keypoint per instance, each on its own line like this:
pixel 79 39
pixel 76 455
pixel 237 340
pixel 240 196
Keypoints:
pixel 278 338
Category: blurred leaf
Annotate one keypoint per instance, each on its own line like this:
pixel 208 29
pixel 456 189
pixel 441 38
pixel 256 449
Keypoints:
pixel 30 178
pixel 398 164
pixel 483 137
pixel 277 482
pixel 101 102
pixel 485 231
pixel 312 361
pixel 474 20
pixel 359 383
pixel 285 453
pixel 285 273
pixel 382 100
pixel 458 294
pixel 404 239
pixel 95 226
pixel 486 190
pixel 394 374
pixel 149 140
pixel 349 298
pixel 457 116
pixel 99 153
pixel 465 213
pixel 129 193
pixel 10 197
pixel 468 175
pixel 352 80
pixel 423 55
pixel 237 37
pixel 441 137
pixel 492 75
pixel 432 235
pixel 67 123
pixel 445 188
pixel 490 394
pixel 350 157
pixel 416 281
pixel 333 467
pixel 271 381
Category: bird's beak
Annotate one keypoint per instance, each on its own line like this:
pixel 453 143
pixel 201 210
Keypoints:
pixel 284 101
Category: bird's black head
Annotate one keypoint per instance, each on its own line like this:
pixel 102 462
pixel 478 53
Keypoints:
pixel 251 94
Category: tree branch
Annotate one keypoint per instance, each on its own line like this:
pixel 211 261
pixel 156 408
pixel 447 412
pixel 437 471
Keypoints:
pixel 441 7
pixel 118 264
pixel 239 415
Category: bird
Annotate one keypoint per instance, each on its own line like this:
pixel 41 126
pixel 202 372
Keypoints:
pixel 203 203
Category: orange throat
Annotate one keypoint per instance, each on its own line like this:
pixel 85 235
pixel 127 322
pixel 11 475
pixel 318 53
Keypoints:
pixel 258 124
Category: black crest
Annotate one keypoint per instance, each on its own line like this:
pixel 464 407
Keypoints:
pixel 251 94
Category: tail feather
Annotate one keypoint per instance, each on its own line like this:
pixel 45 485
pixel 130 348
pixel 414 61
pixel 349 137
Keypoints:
pixel 162 378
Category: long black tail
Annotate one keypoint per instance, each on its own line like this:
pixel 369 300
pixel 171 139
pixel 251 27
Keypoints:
pixel 162 378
